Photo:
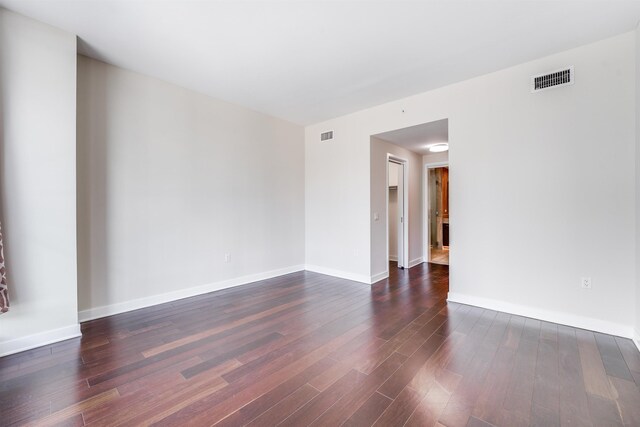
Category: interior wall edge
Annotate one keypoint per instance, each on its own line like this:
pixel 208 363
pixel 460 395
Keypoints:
pixel 135 304
pixel 39 339
pixel 338 273
pixel 562 318
pixel 416 261
pixel 380 276
pixel 38 181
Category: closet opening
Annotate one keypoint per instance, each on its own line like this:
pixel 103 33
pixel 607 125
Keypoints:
pixel 397 230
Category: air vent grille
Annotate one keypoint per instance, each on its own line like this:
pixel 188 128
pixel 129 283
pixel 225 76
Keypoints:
pixel 553 79
pixel 325 136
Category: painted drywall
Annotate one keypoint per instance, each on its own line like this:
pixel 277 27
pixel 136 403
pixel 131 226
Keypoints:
pixel 170 181
pixel 38 181
pixel 521 240
pixel 337 226
pixel 436 158
pixel 379 151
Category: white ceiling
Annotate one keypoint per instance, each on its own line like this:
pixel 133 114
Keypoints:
pixel 314 60
pixel 418 138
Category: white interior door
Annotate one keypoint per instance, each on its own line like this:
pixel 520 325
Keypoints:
pixel 402 256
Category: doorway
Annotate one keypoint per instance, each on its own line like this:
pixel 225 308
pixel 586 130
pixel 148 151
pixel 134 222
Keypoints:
pixel 438 242
pixel 397 230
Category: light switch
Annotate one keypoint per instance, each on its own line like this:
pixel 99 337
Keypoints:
pixel 376 216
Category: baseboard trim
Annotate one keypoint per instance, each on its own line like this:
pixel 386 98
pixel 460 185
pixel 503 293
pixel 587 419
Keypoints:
pixel 380 276
pixel 340 274
pixel 393 258
pixel 122 307
pixel 415 262
pixel 38 340
pixel 546 315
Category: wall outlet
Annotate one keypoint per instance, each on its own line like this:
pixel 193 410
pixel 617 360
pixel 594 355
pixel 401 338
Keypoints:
pixel 585 282
pixel 227 257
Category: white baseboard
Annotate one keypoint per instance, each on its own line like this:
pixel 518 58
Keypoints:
pixel 393 258
pixel 546 315
pixel 415 262
pixel 383 275
pixel 338 273
pixel 636 339
pixel 38 340
pixel 380 276
pixel 122 307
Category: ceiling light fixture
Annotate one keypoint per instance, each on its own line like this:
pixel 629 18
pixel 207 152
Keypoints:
pixel 439 148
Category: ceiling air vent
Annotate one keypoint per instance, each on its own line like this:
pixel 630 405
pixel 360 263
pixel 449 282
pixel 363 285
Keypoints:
pixel 554 79
pixel 325 136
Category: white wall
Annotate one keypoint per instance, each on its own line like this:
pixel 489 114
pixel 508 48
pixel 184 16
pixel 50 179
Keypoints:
pixel 379 151
pixel 38 181
pixel 501 137
pixel 337 208
pixel 169 182
pixel 435 158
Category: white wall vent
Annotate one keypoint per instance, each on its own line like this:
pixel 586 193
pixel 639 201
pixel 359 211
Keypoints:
pixel 325 136
pixel 553 79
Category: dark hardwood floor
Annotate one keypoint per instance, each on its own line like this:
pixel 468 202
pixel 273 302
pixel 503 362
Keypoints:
pixel 307 349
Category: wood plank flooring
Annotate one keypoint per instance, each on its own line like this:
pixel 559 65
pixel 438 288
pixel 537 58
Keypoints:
pixel 308 349
pixel 440 256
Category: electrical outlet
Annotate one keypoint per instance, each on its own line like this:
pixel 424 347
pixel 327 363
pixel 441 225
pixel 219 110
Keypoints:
pixel 585 282
pixel 227 257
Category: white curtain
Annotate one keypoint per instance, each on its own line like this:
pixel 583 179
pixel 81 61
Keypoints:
pixel 4 297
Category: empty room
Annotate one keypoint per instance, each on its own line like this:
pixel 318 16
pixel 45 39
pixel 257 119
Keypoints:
pixel 293 213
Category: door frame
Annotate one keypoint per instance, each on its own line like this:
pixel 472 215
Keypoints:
pixel 405 207
pixel 426 235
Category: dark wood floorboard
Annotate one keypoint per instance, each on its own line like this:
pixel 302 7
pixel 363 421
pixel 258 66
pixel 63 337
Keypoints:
pixel 308 349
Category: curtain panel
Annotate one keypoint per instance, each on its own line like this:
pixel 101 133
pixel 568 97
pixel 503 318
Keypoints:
pixel 4 296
